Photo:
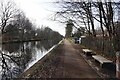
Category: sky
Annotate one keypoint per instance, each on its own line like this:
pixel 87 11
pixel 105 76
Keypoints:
pixel 39 12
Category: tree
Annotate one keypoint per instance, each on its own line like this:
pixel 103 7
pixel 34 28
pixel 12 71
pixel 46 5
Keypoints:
pixel 10 26
pixel 8 11
pixel 69 28
pixel 79 32
pixel 88 12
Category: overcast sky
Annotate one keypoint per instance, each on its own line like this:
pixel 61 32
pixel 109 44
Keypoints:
pixel 39 12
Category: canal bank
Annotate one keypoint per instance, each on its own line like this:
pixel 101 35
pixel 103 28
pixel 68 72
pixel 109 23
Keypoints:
pixel 62 62
pixel 40 63
pixel 20 56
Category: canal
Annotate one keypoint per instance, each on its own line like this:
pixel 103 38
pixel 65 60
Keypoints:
pixel 21 56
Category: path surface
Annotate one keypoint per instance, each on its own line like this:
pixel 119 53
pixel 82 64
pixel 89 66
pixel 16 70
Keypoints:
pixel 65 62
pixel 74 64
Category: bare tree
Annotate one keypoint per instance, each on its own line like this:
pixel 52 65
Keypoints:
pixel 104 14
pixel 79 12
pixel 7 12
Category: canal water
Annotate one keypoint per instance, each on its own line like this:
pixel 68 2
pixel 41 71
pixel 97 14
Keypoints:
pixel 21 56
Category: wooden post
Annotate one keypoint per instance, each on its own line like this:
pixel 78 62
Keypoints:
pixel 118 64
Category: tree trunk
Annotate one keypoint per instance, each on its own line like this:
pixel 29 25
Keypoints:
pixel 91 19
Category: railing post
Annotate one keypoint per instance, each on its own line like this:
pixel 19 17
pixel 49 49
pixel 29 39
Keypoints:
pixel 118 64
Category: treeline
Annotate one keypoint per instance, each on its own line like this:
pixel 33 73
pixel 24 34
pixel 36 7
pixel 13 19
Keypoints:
pixel 14 32
pixel 15 26
pixel 91 15
pixel 85 13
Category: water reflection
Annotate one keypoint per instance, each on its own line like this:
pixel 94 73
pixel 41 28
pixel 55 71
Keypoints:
pixel 20 56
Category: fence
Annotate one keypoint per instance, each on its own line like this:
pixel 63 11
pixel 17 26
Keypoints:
pixel 102 45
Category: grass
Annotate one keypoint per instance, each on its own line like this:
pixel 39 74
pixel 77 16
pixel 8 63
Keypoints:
pixel 70 40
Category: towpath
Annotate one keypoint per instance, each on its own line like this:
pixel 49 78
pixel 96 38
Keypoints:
pixel 65 61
